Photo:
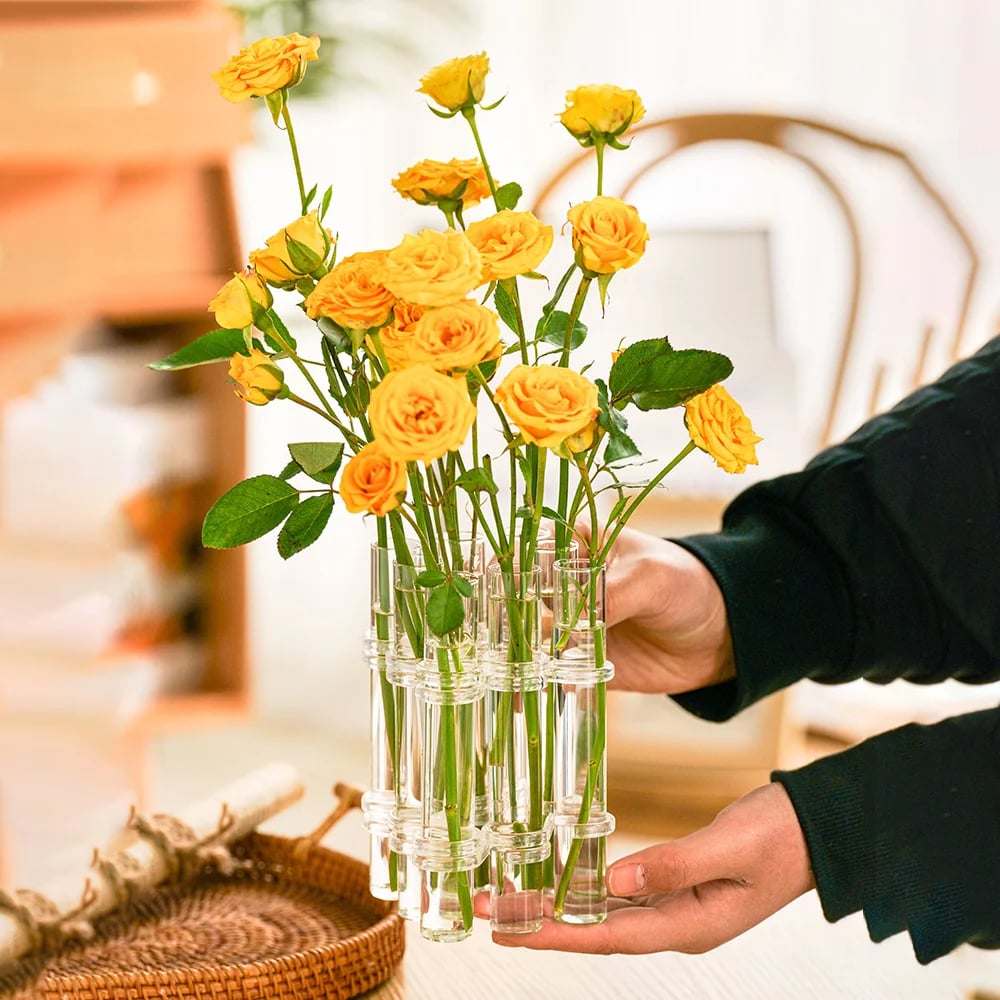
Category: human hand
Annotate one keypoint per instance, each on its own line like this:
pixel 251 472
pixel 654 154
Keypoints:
pixel 695 893
pixel 667 626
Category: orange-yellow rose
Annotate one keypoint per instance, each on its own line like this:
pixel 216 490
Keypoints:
pixel 372 482
pixel 509 243
pixel 607 234
pixel 600 108
pixel 266 66
pixel 293 252
pixel 352 294
pixel 432 268
pixel 395 339
pixel 455 337
pixel 458 82
pixel 549 404
pixel 255 377
pixel 431 181
pixel 418 414
pixel 718 425
pixel 232 303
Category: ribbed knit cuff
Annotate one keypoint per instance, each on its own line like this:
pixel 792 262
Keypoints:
pixel 764 564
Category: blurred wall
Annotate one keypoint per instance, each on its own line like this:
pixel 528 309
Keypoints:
pixel 921 74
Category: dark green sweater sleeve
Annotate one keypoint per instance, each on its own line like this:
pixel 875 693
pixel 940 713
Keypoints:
pixel 881 559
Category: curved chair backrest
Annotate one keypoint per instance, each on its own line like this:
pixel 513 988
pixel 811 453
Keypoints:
pixel 780 132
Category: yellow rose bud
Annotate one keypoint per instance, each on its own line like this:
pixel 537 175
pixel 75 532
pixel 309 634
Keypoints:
pixel 431 181
pixel 457 83
pixel 293 252
pixel 548 404
pixel 352 295
pixel 396 338
pixel 418 414
pixel 600 108
pixel 432 268
pixel 266 66
pixel 607 234
pixel 718 425
pixel 256 378
pixel 372 482
pixel 509 243
pixel 232 303
pixel 455 337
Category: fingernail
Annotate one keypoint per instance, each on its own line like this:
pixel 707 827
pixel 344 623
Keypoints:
pixel 627 880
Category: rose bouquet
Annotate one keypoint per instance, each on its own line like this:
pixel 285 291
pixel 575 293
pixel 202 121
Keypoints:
pixel 475 443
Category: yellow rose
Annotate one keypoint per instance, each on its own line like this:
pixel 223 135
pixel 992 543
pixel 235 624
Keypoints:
pixel 397 337
pixel 418 414
pixel 266 66
pixel 455 337
pixel 600 108
pixel 293 252
pixel 457 83
pixel 431 181
pixel 352 294
pixel 718 425
pixel 232 303
pixel 607 234
pixel 255 377
pixel 509 243
pixel 548 404
pixel 432 268
pixel 372 482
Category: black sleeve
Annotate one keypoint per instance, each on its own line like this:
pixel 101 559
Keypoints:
pixel 881 559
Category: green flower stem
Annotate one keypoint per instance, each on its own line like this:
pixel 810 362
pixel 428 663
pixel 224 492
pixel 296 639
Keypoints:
pixel 287 119
pixel 351 437
pixel 626 514
pixel 469 114
pixel 509 285
pixel 599 144
pixel 536 511
pixel 574 314
pixel 449 758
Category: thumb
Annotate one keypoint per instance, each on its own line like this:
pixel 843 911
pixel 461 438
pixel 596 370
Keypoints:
pixel 700 857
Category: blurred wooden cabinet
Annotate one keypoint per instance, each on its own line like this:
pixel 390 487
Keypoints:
pixel 116 207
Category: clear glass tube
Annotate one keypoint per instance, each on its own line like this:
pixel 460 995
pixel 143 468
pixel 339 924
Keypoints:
pixel 449 849
pixel 579 672
pixel 379 801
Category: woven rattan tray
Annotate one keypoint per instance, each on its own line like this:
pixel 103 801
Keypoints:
pixel 276 928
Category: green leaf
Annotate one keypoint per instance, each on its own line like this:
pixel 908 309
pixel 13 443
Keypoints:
pixel 216 345
pixel 560 288
pixel 319 460
pixel 445 609
pixel 477 480
pixel 304 525
pixel 462 585
pixel 309 198
pixel 249 510
pixel 619 447
pixel 547 512
pixel 334 334
pixel 430 578
pixel 609 418
pixel 552 329
pixel 290 470
pixel 276 102
pixel 505 307
pixel 325 204
pixel 281 329
pixel 508 196
pixel 603 280
pixel 653 376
